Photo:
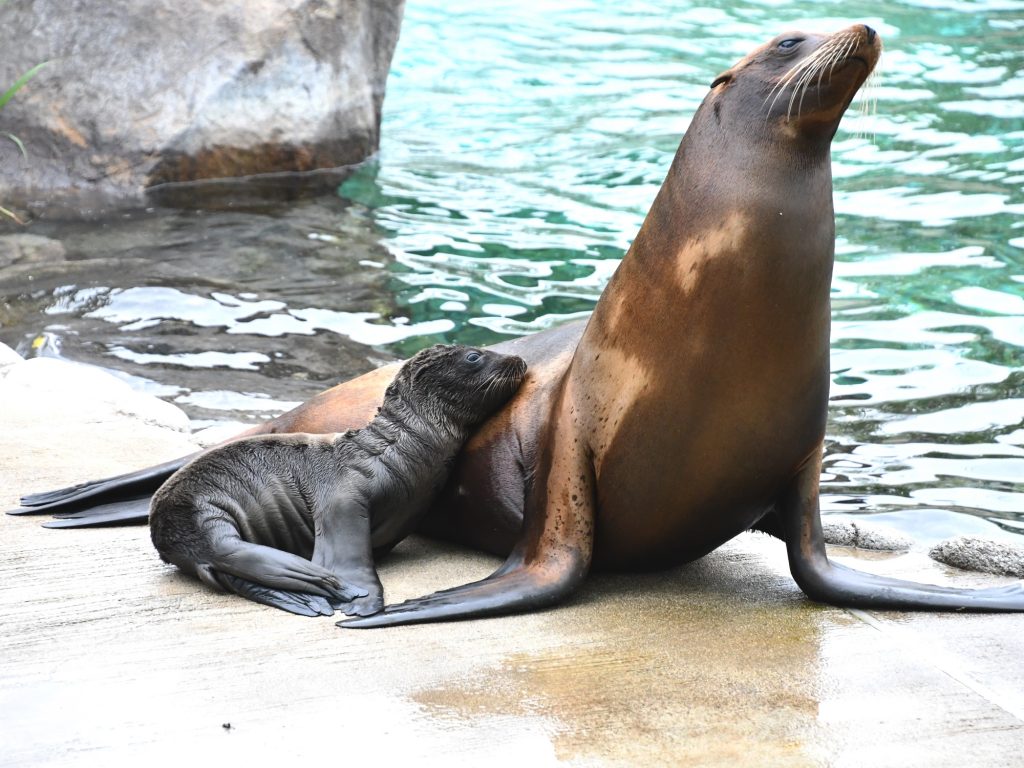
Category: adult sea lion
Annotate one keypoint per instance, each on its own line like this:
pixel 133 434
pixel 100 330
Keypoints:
pixel 692 405
pixel 293 520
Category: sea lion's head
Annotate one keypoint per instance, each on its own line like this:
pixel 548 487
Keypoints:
pixel 798 85
pixel 463 385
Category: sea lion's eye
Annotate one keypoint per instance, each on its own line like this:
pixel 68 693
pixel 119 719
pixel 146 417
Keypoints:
pixel 790 42
pixel 473 357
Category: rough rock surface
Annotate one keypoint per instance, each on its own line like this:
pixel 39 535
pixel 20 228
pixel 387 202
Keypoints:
pixel 846 533
pixel 24 248
pixel 974 553
pixel 149 91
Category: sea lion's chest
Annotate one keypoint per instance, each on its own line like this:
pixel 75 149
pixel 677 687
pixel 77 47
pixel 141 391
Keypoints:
pixel 697 426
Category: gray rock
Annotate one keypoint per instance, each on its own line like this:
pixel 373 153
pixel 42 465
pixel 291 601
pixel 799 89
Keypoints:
pixel 974 553
pixel 846 533
pixel 23 248
pixel 142 92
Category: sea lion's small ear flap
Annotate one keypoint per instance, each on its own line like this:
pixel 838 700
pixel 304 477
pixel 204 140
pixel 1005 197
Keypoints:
pixel 725 77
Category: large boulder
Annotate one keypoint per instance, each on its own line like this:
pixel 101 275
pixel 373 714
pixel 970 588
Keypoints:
pixel 139 93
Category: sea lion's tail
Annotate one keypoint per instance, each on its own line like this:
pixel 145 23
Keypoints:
pixel 118 500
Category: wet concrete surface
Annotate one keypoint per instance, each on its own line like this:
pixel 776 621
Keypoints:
pixel 111 657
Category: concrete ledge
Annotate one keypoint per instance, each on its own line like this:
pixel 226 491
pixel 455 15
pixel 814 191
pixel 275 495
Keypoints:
pixel 112 658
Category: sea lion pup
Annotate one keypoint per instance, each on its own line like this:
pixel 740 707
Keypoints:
pixel 692 406
pixel 292 520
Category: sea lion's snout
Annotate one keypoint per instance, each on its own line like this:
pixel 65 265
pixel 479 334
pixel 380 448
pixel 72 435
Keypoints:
pixel 510 370
pixel 517 368
pixel 867 47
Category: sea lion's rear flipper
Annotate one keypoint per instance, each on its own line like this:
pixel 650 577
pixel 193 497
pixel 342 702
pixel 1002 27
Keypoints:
pixel 76 498
pixel 552 557
pixel 119 513
pixel 828 582
pixel 299 603
pixel 274 577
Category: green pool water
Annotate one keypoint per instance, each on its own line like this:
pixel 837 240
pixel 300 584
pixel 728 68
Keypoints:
pixel 522 144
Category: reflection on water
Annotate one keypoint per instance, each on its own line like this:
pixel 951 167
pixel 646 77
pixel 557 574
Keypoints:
pixel 522 146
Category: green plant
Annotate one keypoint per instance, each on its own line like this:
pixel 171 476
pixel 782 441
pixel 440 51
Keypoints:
pixel 4 98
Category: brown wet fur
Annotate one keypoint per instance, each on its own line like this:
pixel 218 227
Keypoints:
pixel 699 386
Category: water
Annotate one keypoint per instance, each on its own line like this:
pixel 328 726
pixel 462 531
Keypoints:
pixel 522 147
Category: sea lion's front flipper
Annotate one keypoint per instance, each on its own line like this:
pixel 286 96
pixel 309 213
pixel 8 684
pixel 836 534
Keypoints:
pixel 552 556
pixel 341 544
pixel 520 589
pixel 828 582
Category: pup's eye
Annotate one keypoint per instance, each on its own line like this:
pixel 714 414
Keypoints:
pixel 790 42
pixel 473 357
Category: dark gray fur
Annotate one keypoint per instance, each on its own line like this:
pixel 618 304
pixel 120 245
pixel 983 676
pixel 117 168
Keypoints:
pixel 293 520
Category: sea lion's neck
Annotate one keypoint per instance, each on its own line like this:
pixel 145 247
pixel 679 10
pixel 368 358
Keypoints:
pixel 401 425
pixel 756 173
pixel 740 216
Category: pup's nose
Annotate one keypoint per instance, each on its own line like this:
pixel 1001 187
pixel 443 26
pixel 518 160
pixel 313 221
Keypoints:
pixel 870 33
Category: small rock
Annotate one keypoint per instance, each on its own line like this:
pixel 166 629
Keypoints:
pixel 24 248
pixel 974 553
pixel 846 533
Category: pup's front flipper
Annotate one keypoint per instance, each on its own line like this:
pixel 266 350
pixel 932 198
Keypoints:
pixel 342 546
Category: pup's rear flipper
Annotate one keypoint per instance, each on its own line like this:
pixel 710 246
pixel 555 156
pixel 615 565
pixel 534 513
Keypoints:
pixel 300 603
pixel 277 578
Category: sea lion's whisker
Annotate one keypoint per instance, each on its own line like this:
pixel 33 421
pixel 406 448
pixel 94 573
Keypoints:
pixel 829 63
pixel 801 74
pixel 839 55
pixel 793 73
pixel 823 61
pixel 850 43
pixel 867 98
pixel 800 87
pixel 790 75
